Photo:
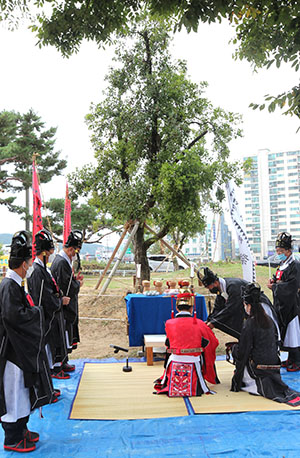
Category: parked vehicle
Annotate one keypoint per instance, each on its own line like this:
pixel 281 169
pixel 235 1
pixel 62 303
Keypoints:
pixel 274 261
pixel 162 263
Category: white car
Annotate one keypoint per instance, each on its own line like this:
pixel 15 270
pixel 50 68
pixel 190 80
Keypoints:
pixel 161 263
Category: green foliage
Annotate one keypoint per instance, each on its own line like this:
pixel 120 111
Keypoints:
pixel 84 218
pixel 267 32
pixel 161 147
pixel 21 136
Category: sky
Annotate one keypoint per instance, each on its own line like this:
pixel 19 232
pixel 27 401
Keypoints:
pixel 61 90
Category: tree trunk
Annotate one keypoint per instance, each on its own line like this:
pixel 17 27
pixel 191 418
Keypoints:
pixel 175 262
pixel 140 253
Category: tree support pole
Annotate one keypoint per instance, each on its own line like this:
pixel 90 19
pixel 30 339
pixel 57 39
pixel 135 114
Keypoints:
pixel 128 241
pixel 126 227
pixel 169 246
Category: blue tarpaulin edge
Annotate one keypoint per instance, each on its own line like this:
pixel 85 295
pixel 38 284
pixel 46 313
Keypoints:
pixel 248 434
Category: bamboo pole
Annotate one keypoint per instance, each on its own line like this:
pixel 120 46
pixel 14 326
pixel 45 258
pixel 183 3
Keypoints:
pixel 127 243
pixel 126 227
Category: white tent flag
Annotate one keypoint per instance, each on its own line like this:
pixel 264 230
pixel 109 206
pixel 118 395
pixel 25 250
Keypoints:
pixel 244 246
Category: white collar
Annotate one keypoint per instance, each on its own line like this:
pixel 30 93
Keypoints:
pixel 40 263
pixel 66 257
pixel 287 262
pixel 223 288
pixel 14 276
pixel 183 313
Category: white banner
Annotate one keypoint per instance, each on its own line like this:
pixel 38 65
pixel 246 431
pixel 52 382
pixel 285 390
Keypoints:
pixel 248 265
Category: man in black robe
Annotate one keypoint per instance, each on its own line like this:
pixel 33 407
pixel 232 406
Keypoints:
pixel 228 313
pixel 24 379
pixel 62 272
pixel 284 286
pixel 45 292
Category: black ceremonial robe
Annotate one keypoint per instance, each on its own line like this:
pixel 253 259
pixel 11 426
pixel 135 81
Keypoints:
pixel 228 314
pixel 63 275
pixel 258 364
pixel 43 289
pixel 286 300
pixel 22 343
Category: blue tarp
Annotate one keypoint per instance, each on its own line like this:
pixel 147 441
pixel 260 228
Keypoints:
pixel 251 434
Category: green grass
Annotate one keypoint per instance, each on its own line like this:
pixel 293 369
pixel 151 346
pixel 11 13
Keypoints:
pixel 223 269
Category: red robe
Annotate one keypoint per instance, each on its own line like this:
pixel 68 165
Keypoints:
pixel 186 333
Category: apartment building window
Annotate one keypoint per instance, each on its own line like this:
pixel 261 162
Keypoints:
pixel 292 160
pixel 279 154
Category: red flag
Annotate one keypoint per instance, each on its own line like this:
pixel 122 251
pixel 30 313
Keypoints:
pixel 37 223
pixel 67 215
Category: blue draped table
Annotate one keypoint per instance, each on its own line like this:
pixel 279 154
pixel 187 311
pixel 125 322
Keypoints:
pixel 148 314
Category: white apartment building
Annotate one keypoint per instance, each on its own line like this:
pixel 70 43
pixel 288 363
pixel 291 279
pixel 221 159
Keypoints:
pixel 271 199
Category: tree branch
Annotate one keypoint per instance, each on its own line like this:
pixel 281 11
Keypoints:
pixel 11 179
pixel 197 139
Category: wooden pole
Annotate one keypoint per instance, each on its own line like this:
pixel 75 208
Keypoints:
pixel 127 243
pixel 126 227
pixel 169 246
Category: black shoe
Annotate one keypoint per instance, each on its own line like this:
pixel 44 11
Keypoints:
pixel 59 374
pixel 31 436
pixel 293 367
pixel 68 367
pixel 23 446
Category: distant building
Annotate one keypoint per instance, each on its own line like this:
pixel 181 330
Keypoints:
pixel 271 194
pixel 215 244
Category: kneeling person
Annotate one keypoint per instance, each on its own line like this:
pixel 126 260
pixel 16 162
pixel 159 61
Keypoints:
pixel 257 354
pixel 191 353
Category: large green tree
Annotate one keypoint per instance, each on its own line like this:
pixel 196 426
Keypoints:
pixel 267 31
pixel 21 136
pixel 161 147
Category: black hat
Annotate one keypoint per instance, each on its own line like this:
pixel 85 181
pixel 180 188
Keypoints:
pixel 75 239
pixel 20 248
pixel 208 278
pixel 251 293
pixel 43 241
pixel 284 240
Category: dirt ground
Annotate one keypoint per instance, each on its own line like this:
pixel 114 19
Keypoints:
pixel 103 321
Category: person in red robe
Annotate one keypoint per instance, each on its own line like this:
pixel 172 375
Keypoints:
pixel 191 353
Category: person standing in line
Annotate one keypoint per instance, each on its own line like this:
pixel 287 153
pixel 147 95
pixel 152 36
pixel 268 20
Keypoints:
pixel 45 292
pixel 285 286
pixel 62 272
pixel 25 383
